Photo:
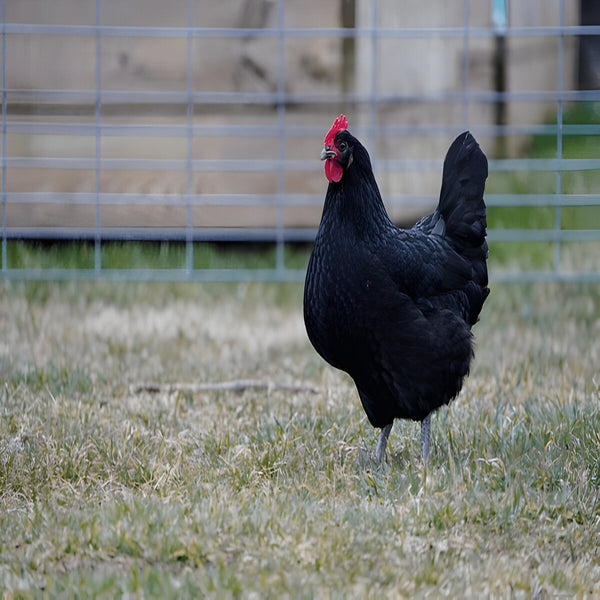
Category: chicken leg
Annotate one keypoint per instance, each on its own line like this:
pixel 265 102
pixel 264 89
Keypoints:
pixel 383 438
pixel 425 433
pixel 425 429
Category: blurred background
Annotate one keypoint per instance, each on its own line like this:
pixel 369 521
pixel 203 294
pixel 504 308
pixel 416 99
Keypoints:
pixel 180 141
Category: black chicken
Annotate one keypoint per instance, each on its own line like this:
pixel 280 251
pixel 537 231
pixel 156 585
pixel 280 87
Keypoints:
pixel 394 307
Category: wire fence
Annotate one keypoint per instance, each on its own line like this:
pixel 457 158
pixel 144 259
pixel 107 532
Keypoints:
pixel 280 187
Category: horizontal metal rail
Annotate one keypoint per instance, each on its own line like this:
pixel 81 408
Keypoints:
pixel 243 165
pixel 268 234
pixel 157 97
pixel 288 131
pixel 257 275
pixel 294 33
pixel 273 200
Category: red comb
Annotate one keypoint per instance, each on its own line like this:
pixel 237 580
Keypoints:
pixel 340 124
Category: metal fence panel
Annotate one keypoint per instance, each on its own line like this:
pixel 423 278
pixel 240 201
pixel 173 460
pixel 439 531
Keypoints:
pixel 101 120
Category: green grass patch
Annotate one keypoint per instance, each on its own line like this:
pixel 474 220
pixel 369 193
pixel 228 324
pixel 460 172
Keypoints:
pixel 151 255
pixel 573 146
pixel 110 492
pixel 535 255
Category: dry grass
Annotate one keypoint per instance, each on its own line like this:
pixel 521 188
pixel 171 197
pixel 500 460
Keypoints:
pixel 105 492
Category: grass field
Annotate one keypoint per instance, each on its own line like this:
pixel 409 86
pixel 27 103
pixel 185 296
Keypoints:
pixel 107 491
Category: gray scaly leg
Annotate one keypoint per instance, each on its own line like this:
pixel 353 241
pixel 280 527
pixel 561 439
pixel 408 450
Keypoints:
pixel 383 438
pixel 425 427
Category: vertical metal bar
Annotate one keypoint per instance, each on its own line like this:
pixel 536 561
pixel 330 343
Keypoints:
pixel 559 127
pixel 189 232
pixel 280 245
pixel 4 100
pixel 467 11
pixel 97 236
pixel 373 98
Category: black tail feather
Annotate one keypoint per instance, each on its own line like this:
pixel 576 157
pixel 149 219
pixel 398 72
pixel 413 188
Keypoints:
pixel 462 209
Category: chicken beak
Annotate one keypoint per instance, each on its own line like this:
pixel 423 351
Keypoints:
pixel 327 153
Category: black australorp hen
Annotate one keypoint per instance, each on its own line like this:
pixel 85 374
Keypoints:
pixel 394 307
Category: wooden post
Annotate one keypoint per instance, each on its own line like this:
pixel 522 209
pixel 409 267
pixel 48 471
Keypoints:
pixel 588 68
pixel 348 19
pixel 499 17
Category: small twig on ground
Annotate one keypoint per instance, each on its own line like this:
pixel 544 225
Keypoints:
pixel 239 385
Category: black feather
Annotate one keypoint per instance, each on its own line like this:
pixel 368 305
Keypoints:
pixel 394 307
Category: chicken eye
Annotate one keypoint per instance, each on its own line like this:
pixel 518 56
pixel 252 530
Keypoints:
pixel 343 146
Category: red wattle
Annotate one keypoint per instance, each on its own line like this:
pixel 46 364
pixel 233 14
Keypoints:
pixel 333 171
